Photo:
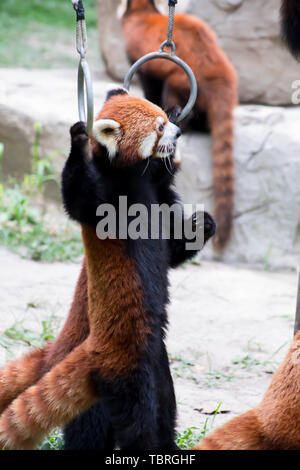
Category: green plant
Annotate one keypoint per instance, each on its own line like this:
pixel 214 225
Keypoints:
pixel 1 158
pixel 214 377
pixel 267 256
pixel 18 332
pixel 189 438
pixel 25 231
pixel 41 168
pixel 53 442
pixel 45 32
pixel 182 367
pixel 23 228
pixel 250 362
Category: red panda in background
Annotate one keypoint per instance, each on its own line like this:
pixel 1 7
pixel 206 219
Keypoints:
pixel 275 423
pixel 166 84
pixel 290 25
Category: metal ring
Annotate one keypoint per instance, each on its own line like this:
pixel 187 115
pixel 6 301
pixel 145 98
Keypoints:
pixel 171 45
pixel 173 58
pixel 84 83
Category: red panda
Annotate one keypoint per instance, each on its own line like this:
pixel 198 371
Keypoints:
pixel 290 25
pixel 275 423
pixel 107 375
pixel 166 84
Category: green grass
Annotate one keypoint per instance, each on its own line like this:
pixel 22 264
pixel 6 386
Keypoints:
pixel 58 13
pixel 250 363
pixel 19 333
pixel 214 378
pixel 24 228
pixel 189 438
pixel 41 33
pixel 193 435
pixel 53 442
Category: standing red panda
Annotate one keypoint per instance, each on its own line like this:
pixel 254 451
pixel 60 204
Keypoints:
pixel 290 25
pixel 116 352
pixel 166 84
pixel 275 423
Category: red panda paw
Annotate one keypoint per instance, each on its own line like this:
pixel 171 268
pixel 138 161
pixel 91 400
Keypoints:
pixel 204 222
pixel 79 135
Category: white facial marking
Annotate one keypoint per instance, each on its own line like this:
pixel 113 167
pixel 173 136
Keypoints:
pixel 167 144
pixel 105 132
pixel 147 146
pixel 178 158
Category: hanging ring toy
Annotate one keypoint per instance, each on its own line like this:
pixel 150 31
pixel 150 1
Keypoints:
pixel 161 54
pixel 84 80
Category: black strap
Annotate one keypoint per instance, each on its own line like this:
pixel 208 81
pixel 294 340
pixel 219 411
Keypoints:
pixel 80 11
pixel 172 3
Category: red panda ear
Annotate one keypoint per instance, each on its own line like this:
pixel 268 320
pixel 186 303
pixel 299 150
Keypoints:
pixel 115 91
pixel 106 131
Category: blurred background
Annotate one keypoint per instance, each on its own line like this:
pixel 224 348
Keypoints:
pixel 231 318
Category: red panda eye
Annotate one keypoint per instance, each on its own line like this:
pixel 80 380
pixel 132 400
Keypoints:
pixel 161 128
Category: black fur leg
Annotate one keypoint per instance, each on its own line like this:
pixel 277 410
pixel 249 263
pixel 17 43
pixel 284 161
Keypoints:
pixel 206 226
pixel 91 430
pixel 79 141
pixel 209 225
pixel 132 408
pixel 167 404
pixel 80 179
pixel 79 134
pixel 173 113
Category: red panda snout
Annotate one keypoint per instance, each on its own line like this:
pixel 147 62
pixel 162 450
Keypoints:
pixel 167 144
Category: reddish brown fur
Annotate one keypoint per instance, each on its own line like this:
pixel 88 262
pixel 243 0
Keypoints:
pixel 132 114
pixel 144 30
pixel 54 400
pixel 115 317
pixel 66 390
pixel 106 315
pixel 275 423
pixel 20 374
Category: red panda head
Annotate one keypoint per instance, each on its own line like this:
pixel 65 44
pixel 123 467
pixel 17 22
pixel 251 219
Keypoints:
pixel 133 129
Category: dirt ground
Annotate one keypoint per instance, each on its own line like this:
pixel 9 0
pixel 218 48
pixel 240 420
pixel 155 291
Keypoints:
pixel 230 327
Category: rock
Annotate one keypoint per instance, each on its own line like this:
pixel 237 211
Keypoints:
pixel 248 30
pixel 111 39
pixel 267 202
pixel 46 97
pixel 267 143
